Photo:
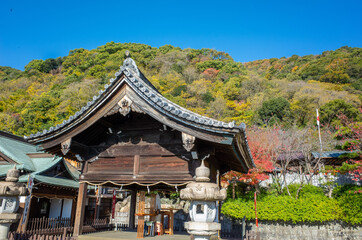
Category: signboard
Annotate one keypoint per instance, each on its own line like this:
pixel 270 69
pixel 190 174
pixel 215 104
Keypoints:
pixel 28 199
pixel 26 208
pixel 98 195
pixel 114 202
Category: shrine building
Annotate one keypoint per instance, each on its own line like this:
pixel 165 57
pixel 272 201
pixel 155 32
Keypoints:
pixel 131 136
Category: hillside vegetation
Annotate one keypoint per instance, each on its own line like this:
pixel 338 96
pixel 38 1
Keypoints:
pixel 285 91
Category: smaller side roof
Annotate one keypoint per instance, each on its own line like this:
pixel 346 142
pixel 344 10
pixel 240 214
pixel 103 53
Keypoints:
pixel 331 154
pixel 44 165
pixel 16 149
pixel 26 157
pixel 61 182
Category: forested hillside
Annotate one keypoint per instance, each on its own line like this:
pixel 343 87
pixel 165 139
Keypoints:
pixel 285 91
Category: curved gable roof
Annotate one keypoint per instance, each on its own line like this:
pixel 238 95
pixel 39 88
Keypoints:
pixel 154 102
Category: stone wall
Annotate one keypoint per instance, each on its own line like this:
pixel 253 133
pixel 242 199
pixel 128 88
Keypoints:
pixel 317 180
pixel 329 231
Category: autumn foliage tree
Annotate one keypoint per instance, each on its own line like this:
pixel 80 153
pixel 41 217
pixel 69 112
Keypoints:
pixel 349 132
pixel 263 147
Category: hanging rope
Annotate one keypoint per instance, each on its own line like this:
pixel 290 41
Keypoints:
pixel 140 184
pixel 55 197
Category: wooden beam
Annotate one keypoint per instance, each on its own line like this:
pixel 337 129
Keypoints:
pixel 136 167
pixel 6 158
pixel 82 195
pixel 172 177
pixel 50 195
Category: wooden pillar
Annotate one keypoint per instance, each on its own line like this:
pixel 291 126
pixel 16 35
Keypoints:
pixel 132 211
pixel 79 216
pixel 141 218
pixel 74 207
pixel 61 208
pixel 152 206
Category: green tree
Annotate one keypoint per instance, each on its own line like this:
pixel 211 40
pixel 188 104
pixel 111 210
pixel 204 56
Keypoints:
pixel 329 113
pixel 275 109
pixel 216 64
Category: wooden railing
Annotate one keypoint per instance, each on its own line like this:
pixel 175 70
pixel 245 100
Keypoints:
pixel 57 229
pixel 48 225
pixel 57 225
pixel 65 235
pixel 95 225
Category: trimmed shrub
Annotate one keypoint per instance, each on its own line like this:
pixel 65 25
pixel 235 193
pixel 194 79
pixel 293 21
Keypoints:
pixel 351 207
pixel 318 208
pixel 312 206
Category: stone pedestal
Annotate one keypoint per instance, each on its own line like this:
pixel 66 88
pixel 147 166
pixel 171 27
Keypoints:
pixel 4 230
pixel 6 219
pixel 203 196
pixel 10 190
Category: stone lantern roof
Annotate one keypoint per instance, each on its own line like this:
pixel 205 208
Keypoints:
pixel 203 189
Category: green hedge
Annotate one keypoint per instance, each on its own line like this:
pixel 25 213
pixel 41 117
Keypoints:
pixel 350 201
pixel 311 207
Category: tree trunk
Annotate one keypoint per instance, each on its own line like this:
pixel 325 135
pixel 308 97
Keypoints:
pixel 234 190
pixel 285 183
pixel 301 182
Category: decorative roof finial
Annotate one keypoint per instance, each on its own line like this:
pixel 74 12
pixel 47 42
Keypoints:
pixel 129 63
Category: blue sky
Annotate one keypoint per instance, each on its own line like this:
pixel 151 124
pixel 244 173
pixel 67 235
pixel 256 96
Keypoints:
pixel 248 30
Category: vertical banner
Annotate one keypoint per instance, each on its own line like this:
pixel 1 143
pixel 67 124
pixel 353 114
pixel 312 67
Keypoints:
pixel 113 202
pixel 28 199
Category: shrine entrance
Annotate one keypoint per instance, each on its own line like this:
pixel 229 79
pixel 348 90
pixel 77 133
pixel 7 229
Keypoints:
pixel 131 136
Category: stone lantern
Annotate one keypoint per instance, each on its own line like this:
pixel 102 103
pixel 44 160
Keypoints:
pixel 203 196
pixel 10 190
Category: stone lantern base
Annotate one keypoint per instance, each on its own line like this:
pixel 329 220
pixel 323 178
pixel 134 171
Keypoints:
pixel 201 230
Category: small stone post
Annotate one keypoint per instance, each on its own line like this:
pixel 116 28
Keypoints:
pixel 10 190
